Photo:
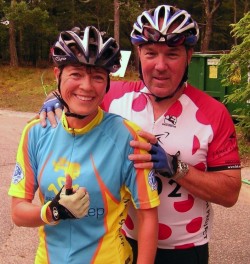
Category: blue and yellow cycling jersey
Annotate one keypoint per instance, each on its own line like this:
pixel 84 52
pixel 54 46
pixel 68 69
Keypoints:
pixel 96 157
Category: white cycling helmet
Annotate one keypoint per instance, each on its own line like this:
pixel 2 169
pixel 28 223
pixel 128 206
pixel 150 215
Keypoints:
pixel 86 47
pixel 154 25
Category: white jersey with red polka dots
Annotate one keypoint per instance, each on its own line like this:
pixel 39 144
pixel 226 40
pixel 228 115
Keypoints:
pixel 202 130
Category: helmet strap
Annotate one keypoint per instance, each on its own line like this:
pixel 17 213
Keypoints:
pixel 68 113
pixel 108 84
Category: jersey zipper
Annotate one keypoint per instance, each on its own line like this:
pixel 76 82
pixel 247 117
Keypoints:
pixel 72 149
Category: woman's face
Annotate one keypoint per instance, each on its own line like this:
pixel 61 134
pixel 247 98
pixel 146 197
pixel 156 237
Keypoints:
pixel 83 88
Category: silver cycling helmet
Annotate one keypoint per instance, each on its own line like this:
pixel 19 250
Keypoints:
pixel 176 27
pixel 88 47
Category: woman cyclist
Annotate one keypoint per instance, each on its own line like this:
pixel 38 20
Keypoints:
pixel 80 168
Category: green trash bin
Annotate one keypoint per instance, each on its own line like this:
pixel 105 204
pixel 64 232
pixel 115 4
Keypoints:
pixel 205 74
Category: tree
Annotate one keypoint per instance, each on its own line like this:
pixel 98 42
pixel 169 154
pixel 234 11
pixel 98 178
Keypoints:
pixel 246 6
pixel 12 40
pixel 117 20
pixel 25 36
pixel 36 23
pixel 236 71
pixel 210 8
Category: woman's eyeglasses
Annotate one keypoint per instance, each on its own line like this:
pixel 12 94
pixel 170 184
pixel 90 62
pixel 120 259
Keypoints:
pixel 171 39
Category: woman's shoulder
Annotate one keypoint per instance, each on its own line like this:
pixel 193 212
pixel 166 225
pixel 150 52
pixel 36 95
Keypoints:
pixel 34 129
pixel 121 125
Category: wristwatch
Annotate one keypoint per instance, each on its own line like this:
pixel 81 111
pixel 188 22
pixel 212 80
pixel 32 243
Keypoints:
pixel 182 170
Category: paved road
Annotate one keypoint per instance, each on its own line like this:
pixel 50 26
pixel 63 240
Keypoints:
pixel 230 243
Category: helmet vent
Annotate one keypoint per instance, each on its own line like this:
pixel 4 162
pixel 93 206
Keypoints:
pixel 88 47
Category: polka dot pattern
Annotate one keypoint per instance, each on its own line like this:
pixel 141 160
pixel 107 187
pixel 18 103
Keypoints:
pixel 139 103
pixel 201 118
pixel 196 145
pixel 183 127
pixel 129 223
pixel 164 232
pixel 200 166
pixel 175 110
pixel 185 246
pixel 184 205
pixel 194 225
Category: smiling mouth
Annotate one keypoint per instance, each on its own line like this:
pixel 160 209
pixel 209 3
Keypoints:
pixel 84 98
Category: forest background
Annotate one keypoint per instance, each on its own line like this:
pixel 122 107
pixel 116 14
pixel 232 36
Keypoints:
pixel 29 28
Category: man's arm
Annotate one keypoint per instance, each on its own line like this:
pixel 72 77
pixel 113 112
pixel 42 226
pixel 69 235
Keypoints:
pixel 147 235
pixel 220 187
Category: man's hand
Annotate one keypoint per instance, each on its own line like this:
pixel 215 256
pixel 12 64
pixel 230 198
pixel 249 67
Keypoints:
pixel 72 206
pixel 156 158
pixel 51 109
pixel 143 161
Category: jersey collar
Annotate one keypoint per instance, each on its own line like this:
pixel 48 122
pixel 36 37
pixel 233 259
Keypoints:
pixel 78 131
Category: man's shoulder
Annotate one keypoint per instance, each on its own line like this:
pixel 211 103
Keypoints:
pixel 202 99
pixel 126 86
pixel 119 90
pixel 211 109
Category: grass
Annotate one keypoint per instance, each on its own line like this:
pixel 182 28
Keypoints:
pixel 21 89
pixel 24 89
pixel 244 148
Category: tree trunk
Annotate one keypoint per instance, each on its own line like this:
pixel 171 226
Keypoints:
pixel 209 15
pixel 246 6
pixel 12 42
pixel 235 18
pixel 117 20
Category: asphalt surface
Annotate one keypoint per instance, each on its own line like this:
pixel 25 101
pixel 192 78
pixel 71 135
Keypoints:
pixel 230 242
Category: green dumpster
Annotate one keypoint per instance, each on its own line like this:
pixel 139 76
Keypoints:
pixel 205 74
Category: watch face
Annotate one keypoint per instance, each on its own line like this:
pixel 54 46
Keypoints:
pixel 182 170
pixel 55 213
pixel 184 166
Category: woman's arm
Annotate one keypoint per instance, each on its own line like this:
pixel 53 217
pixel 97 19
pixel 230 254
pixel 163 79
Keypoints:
pixel 25 213
pixel 73 206
pixel 147 235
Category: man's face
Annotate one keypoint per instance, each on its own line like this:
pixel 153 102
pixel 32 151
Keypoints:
pixel 163 67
